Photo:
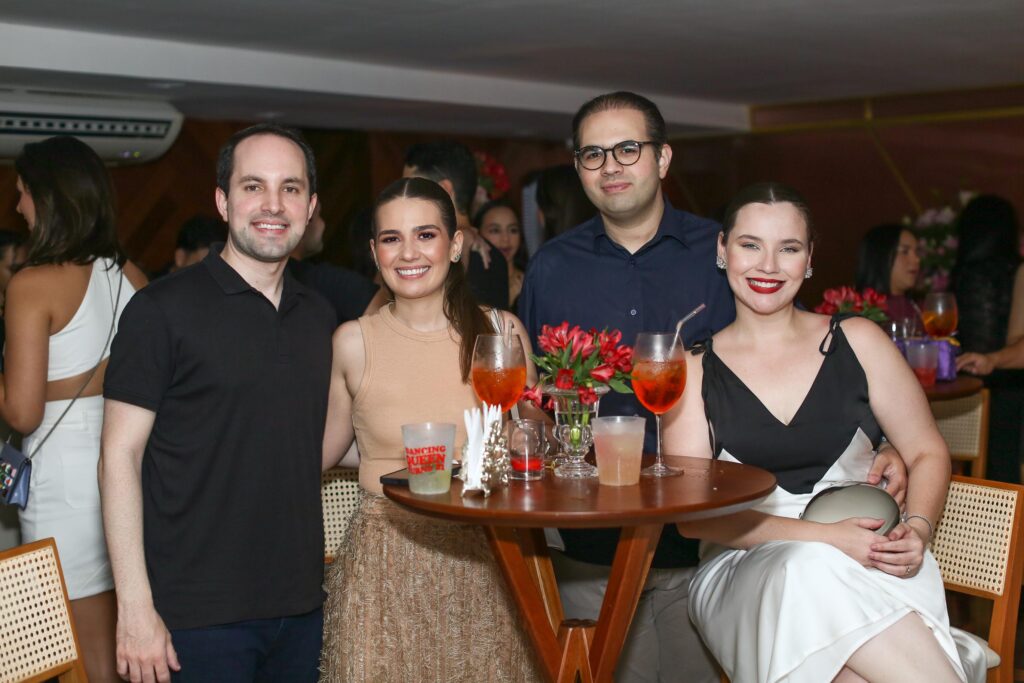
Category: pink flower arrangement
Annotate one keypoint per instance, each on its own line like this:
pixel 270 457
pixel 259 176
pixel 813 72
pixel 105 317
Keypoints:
pixel 580 360
pixel 868 303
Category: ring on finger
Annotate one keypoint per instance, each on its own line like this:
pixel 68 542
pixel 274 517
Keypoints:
pixel 907 573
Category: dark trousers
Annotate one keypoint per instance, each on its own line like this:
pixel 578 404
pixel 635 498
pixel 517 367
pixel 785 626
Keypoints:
pixel 279 650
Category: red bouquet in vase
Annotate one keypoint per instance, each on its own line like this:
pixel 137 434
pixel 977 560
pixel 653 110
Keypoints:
pixel 869 303
pixel 588 363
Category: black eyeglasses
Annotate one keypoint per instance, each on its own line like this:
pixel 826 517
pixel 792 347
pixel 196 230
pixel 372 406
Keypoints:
pixel 626 153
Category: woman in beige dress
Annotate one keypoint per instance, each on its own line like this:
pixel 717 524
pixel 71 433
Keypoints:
pixel 411 598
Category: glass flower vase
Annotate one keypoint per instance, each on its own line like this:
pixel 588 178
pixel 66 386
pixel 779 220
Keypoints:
pixel 573 431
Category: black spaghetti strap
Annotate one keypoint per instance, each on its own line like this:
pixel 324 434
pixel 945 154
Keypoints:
pixel 828 342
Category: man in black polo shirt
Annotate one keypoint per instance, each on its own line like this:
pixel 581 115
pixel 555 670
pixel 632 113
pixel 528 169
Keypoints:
pixel 210 469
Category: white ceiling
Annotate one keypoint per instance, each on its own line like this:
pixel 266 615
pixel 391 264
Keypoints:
pixel 503 67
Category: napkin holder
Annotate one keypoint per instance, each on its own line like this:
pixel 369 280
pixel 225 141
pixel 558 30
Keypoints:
pixel 485 463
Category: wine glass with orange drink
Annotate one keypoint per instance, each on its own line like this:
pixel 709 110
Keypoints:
pixel 939 314
pixel 659 377
pixel 499 370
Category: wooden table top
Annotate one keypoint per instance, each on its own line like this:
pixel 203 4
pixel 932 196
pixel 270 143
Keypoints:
pixel 963 385
pixel 707 488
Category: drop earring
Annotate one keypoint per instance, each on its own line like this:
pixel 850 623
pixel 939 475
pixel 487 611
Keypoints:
pixel 808 273
pixel 720 262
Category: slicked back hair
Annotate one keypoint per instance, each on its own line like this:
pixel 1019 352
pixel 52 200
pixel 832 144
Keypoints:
pixel 622 99
pixel 767 193
pixel 226 157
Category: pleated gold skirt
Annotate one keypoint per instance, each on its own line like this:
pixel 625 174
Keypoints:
pixel 412 598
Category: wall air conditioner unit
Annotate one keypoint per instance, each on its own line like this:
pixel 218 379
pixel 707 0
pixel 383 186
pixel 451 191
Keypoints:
pixel 121 131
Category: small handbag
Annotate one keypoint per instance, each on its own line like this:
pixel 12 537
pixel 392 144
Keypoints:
pixel 844 501
pixel 15 470
pixel 15 466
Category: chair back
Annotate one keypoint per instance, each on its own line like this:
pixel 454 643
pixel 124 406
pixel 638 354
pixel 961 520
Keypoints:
pixel 37 634
pixel 977 544
pixel 963 423
pixel 339 494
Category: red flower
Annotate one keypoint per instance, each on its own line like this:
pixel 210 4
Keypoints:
pixel 833 297
pixel 532 394
pixel 554 339
pixel 587 396
pixel 826 307
pixel 582 344
pixel 564 380
pixel 873 298
pixel 602 373
pixel 607 341
pixel 621 359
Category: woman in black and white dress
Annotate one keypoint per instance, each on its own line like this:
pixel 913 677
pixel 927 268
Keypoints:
pixel 808 398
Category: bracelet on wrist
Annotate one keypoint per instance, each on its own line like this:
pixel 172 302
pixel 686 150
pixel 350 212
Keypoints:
pixel 907 518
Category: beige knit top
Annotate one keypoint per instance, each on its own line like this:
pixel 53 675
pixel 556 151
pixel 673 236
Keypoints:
pixel 409 377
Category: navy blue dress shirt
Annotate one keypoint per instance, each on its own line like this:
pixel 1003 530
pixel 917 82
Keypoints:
pixel 585 278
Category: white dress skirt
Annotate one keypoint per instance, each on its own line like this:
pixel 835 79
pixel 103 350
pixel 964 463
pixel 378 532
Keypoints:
pixel 796 611
pixel 64 495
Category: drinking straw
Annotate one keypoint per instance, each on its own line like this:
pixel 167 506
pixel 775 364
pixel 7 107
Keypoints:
pixel 682 321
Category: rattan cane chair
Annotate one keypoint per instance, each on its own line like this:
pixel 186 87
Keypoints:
pixel 963 423
pixel 339 494
pixel 37 634
pixel 978 544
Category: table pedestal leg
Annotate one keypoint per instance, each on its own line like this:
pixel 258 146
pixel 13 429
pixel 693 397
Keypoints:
pixel 625 583
pixel 505 544
pixel 579 648
pixel 575 635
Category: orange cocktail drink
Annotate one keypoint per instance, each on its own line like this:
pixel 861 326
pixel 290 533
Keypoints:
pixel 499 386
pixel 659 383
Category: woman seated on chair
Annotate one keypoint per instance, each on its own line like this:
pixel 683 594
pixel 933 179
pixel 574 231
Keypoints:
pixel 808 398
pixel 411 598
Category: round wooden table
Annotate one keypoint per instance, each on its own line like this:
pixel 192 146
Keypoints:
pixel 963 385
pixel 514 518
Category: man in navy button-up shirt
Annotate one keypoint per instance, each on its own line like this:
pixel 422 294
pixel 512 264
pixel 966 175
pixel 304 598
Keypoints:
pixel 639 266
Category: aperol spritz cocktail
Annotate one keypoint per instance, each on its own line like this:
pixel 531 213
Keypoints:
pixel 939 314
pixel 659 377
pixel 499 370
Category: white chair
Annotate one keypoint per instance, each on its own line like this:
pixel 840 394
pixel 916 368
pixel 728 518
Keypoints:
pixel 339 494
pixel 37 634
pixel 963 423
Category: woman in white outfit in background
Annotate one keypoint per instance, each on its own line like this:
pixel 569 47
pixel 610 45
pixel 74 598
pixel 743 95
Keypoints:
pixel 62 307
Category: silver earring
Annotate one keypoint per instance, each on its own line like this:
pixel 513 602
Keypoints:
pixel 458 255
pixel 720 262
pixel 808 273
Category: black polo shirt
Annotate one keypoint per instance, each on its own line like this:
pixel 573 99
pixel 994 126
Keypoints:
pixel 233 528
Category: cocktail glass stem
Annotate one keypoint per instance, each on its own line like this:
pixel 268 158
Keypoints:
pixel 659 468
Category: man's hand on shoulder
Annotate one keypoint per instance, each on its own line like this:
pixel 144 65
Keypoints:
pixel 472 241
pixel 889 465
pixel 144 648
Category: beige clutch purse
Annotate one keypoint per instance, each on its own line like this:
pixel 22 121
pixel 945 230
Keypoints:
pixel 841 502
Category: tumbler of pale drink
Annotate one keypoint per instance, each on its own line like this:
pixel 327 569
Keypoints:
pixel 618 447
pixel 429 451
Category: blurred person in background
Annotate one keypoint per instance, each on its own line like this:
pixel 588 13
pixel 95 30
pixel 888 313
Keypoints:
pixel 989 288
pixel 349 293
pixel 498 222
pixel 62 310
pixel 888 262
pixel 561 201
pixel 452 166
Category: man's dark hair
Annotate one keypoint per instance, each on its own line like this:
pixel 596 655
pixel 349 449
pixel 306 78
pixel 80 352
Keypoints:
pixel 226 157
pixel 201 231
pixel 622 100
pixel 446 160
